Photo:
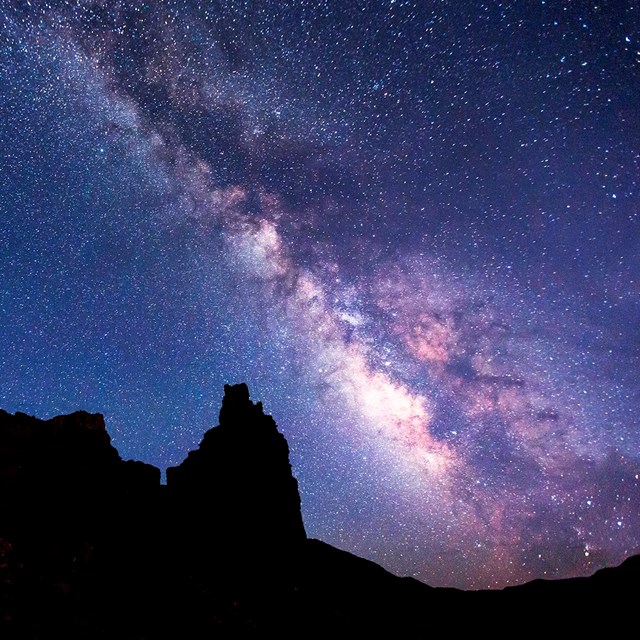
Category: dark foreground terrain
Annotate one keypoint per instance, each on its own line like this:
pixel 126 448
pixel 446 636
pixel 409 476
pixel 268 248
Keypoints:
pixel 92 546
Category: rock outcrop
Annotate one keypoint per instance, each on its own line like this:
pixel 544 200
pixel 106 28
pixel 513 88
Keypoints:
pixel 237 491
pixel 62 477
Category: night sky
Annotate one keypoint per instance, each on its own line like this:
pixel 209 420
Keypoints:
pixel 413 228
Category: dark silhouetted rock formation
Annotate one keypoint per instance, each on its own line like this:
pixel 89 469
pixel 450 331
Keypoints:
pixel 236 490
pixel 62 478
pixel 72 514
pixel 92 546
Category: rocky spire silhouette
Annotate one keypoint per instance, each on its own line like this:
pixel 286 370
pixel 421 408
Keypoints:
pixel 237 488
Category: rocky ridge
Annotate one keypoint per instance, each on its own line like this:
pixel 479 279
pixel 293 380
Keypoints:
pixel 92 546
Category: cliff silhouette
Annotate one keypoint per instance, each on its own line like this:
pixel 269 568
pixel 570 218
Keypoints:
pixel 92 546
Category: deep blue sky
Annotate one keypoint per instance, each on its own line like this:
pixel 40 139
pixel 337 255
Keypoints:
pixel 411 227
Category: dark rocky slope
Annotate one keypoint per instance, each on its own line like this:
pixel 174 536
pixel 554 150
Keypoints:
pixel 92 546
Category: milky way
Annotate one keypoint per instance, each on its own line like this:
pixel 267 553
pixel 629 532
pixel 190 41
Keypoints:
pixel 411 227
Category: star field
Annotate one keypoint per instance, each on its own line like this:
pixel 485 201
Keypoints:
pixel 412 228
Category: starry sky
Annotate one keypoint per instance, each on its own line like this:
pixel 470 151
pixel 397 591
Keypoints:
pixel 412 227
